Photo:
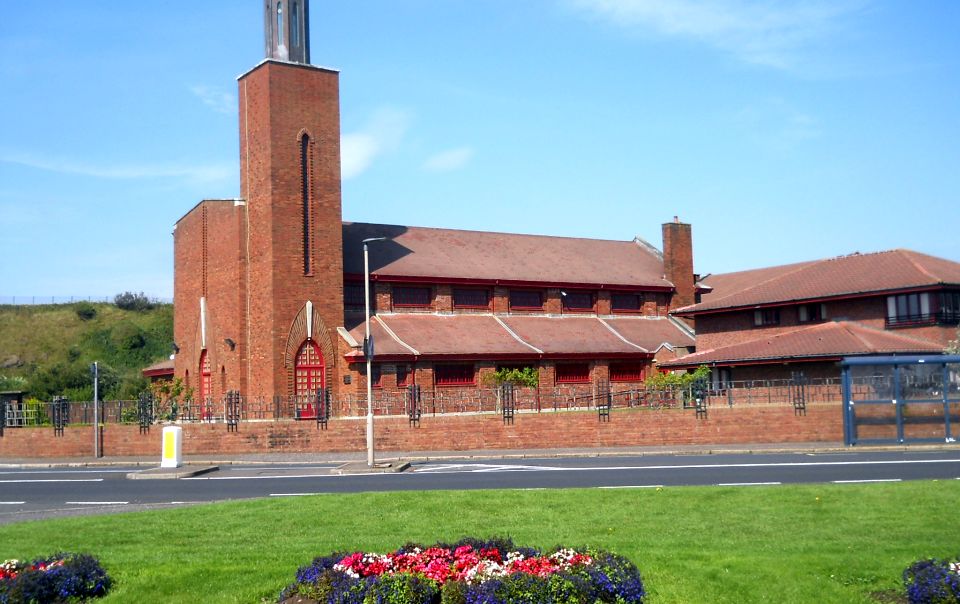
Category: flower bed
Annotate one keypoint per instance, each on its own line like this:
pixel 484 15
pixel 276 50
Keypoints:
pixel 933 581
pixel 471 571
pixel 58 578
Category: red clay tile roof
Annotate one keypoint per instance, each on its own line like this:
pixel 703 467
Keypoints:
pixel 515 335
pixel 827 340
pixel 841 276
pixel 479 256
pixel 161 368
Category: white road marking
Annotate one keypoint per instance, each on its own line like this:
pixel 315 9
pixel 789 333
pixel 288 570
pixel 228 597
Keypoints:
pixel 12 502
pixel 785 464
pixel 53 480
pixel 264 477
pixel 91 471
pixel 635 486
pixel 294 494
pixel 748 484
pixel 96 502
pixel 865 480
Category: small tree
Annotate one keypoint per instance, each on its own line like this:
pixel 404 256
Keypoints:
pixel 518 376
pixel 131 301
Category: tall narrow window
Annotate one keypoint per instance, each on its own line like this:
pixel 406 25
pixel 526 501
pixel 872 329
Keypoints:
pixel 308 369
pixel 279 23
pixel 294 26
pixel 305 199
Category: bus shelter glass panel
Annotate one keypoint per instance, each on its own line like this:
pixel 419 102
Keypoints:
pixel 922 401
pixel 872 409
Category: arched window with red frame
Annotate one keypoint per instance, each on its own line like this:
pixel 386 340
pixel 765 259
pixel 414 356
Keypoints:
pixel 308 369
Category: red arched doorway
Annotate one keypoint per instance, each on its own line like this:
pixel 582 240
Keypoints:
pixel 206 391
pixel 308 370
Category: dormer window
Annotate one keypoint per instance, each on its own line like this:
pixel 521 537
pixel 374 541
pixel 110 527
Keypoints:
pixel 471 298
pixel 625 302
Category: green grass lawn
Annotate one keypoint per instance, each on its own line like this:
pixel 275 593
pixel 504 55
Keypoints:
pixel 819 543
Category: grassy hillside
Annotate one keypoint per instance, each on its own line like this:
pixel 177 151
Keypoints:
pixel 47 349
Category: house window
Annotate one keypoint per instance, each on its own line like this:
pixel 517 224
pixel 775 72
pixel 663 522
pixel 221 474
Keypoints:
pixel 626 302
pixel 411 296
pixel 573 373
pixel 526 299
pixel 627 372
pixel 577 301
pixel 950 307
pixel 353 295
pixel 294 26
pixel 308 370
pixel 377 380
pixel 909 309
pixel 766 316
pixel 279 24
pixel 471 298
pixel 811 313
pixel 453 375
pixel 404 376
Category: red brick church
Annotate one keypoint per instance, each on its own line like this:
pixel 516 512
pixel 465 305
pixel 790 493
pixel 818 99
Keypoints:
pixel 269 288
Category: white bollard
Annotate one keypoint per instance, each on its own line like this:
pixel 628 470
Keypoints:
pixel 172 444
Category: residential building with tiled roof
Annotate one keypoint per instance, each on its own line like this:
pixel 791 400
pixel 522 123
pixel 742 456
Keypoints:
pixel 806 316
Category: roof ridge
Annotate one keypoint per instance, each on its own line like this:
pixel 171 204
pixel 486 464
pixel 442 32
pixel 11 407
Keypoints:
pixel 430 228
pixel 619 335
pixel 514 334
pixel 393 335
pixel 908 254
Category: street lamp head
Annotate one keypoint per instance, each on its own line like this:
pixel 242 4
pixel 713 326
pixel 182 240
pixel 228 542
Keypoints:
pixel 372 239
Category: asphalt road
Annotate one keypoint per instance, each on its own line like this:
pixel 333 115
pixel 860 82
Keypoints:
pixel 42 493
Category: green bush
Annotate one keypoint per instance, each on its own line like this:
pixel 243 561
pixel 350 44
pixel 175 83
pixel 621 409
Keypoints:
pixel 85 311
pixel 131 301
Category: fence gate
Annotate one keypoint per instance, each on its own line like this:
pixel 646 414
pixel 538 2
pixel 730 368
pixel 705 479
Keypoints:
pixel 896 400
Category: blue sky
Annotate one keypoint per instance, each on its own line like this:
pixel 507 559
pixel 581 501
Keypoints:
pixel 783 131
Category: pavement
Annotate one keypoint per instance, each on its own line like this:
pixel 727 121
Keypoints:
pixel 397 458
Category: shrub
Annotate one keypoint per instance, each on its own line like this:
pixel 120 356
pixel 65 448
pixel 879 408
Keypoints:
pixel 62 577
pixel 131 301
pixel 933 581
pixel 85 311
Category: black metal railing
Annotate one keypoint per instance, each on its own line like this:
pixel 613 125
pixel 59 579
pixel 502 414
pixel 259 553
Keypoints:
pixel 941 317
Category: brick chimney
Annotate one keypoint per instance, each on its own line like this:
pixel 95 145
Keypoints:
pixel 678 261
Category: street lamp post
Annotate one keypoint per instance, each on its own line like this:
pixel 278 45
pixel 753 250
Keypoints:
pixel 368 347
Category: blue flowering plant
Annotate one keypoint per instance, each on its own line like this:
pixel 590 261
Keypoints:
pixel 933 581
pixel 62 577
pixel 470 571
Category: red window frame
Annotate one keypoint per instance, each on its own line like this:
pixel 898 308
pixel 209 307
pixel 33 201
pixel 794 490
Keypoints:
pixel 766 317
pixel 522 299
pixel 404 376
pixel 577 301
pixel 353 294
pixel 470 298
pixel 572 373
pixel 628 372
pixel 621 302
pixel 411 297
pixel 308 370
pixel 377 370
pixel 454 375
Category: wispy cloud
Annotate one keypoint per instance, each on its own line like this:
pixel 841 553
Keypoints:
pixel 193 172
pixel 775 123
pixel 382 133
pixel 774 33
pixel 216 98
pixel 449 160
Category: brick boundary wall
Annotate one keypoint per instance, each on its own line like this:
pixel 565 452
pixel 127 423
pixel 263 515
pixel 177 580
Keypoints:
pixel 634 427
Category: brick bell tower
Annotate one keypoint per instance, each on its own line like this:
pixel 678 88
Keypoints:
pixel 292 267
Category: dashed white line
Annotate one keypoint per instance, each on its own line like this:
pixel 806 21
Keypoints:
pixel 866 480
pixel 634 486
pixel 12 502
pixel 748 484
pixel 53 480
pixel 96 502
pixel 294 494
